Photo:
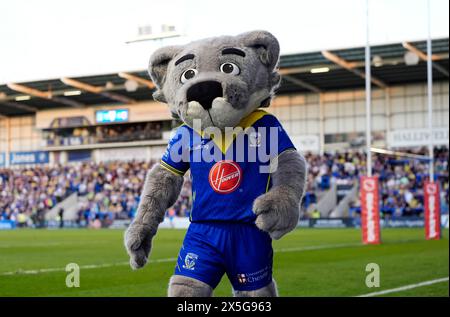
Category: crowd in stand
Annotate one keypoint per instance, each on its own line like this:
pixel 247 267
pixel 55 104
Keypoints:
pixel 105 134
pixel 110 191
pixel 106 191
pixel 27 194
pixel 136 132
pixel 401 179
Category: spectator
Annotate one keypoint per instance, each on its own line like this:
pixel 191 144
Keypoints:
pixel 61 217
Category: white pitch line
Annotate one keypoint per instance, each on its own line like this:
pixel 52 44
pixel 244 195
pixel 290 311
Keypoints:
pixel 46 244
pixel 88 266
pixel 318 247
pixel 332 246
pixel 31 245
pixel 405 288
pixel 97 266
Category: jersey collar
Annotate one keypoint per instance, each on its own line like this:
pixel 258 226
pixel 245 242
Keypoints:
pixel 228 138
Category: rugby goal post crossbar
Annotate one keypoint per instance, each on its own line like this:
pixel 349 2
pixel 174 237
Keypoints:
pixel 402 154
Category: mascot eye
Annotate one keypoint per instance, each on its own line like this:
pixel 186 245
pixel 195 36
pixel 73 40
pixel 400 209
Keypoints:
pixel 188 74
pixel 230 68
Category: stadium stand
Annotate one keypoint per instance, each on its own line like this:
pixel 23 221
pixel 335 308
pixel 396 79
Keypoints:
pixel 110 191
pixel 401 179
pixel 93 138
pixel 105 134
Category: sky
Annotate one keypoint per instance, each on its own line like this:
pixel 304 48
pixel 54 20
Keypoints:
pixel 54 38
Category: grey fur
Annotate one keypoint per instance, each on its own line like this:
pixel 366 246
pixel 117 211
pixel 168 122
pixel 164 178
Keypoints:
pixel 242 94
pixel 183 286
pixel 278 210
pixel 161 190
pixel 267 291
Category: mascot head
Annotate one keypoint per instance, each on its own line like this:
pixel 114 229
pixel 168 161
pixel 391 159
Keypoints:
pixel 217 80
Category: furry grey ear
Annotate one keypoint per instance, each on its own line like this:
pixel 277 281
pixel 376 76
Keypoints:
pixel 157 68
pixel 265 44
pixel 159 96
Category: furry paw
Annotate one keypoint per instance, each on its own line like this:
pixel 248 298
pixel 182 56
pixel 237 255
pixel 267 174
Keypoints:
pixel 138 242
pixel 277 212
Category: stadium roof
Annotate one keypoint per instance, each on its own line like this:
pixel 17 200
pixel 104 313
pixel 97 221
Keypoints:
pixel 306 72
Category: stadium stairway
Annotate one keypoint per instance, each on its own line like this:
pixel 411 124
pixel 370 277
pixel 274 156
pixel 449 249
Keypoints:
pixel 326 202
pixel 342 208
pixel 70 206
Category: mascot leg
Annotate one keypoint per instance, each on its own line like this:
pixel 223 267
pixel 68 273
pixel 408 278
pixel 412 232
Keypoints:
pixel 183 286
pixel 267 291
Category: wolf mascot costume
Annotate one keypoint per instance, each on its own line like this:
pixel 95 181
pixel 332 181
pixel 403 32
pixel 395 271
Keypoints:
pixel 247 177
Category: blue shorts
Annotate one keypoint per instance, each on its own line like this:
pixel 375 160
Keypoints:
pixel 242 251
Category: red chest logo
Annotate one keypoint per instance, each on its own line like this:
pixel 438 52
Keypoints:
pixel 225 177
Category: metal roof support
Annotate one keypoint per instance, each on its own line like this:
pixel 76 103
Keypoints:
pixel 356 64
pixel 96 90
pixel 137 79
pixel 351 67
pixel 30 91
pixel 18 105
pixel 302 83
pixel 423 56
pixel 43 94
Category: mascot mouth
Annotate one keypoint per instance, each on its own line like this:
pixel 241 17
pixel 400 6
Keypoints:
pixel 209 101
pixel 204 93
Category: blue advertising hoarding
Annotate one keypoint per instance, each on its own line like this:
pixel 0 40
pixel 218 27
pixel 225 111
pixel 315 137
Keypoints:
pixel 7 224
pixel 80 155
pixel 2 159
pixel 35 157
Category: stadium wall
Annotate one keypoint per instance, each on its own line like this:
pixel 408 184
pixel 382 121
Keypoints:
pixel 330 116
pixel 19 134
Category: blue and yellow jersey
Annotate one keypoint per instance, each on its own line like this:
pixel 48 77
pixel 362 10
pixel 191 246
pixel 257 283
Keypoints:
pixel 228 171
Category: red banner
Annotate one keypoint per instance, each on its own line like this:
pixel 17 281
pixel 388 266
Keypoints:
pixel 432 210
pixel 370 210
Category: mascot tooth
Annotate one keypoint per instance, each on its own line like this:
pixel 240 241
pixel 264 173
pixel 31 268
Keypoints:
pixel 247 177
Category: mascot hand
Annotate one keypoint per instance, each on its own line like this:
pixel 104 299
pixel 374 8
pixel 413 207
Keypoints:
pixel 277 212
pixel 138 242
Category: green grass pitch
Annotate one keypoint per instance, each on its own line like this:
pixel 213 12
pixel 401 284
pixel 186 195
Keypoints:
pixel 307 262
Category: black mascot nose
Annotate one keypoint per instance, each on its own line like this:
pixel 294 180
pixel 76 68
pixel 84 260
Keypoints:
pixel 204 93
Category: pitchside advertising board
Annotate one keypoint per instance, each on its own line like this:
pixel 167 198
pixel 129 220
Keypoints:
pixel 432 211
pixel 370 215
pixel 370 211
pixel 2 159
pixel 7 224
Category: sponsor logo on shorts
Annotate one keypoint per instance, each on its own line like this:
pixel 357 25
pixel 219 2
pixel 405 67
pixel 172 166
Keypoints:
pixel 242 278
pixel 248 278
